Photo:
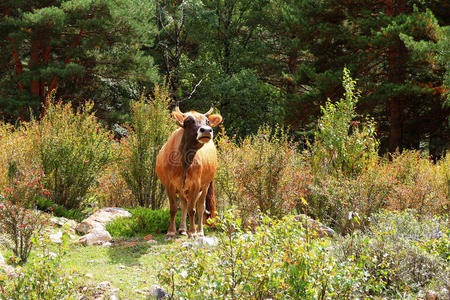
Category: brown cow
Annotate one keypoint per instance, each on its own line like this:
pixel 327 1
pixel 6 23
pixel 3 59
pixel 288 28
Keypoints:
pixel 186 166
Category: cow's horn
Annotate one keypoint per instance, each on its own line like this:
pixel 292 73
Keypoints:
pixel 209 111
pixel 177 109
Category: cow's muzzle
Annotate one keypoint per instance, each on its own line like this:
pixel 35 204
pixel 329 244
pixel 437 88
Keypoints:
pixel 204 134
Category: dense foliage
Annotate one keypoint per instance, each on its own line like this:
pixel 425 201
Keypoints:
pixel 142 222
pixel 43 277
pixel 260 61
pixel 400 255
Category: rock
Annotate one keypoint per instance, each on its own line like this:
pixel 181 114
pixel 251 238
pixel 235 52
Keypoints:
pixel 107 244
pixel 60 222
pixel 152 242
pixel 158 292
pixel 203 241
pixel 89 275
pixel 56 237
pixel 104 286
pixel 206 241
pixel 100 218
pixel 95 237
pixel 9 270
pixel 317 228
pixel 431 295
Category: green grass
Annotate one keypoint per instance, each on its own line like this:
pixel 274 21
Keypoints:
pixel 128 268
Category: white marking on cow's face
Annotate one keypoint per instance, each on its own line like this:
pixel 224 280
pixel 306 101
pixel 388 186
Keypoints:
pixel 204 134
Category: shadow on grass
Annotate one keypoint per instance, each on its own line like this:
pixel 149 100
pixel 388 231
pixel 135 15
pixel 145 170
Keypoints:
pixel 128 251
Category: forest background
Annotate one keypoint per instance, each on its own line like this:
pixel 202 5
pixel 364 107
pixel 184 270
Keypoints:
pixel 257 61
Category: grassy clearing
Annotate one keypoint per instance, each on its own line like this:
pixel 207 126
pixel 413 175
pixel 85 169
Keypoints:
pixel 130 266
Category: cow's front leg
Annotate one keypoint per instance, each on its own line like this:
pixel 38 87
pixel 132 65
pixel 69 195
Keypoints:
pixel 183 204
pixel 200 212
pixel 171 233
pixel 191 203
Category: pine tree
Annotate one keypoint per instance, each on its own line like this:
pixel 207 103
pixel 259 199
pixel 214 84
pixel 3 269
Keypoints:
pixel 377 41
pixel 78 47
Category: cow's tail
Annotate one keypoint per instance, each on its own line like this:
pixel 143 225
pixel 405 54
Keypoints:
pixel 210 204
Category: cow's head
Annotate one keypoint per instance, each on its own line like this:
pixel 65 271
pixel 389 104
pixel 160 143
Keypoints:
pixel 197 126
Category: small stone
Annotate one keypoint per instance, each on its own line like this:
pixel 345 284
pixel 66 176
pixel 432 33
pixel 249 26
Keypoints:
pixel 206 241
pixel 56 237
pixel 152 242
pixel 2 260
pixel 158 292
pixel 107 244
pixel 113 297
pixel 104 285
pixel 88 275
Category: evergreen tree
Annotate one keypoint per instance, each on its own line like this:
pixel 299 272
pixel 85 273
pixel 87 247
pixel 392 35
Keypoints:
pixel 79 47
pixel 375 40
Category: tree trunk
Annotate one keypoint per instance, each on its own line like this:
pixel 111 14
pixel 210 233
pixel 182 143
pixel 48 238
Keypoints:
pixel 397 60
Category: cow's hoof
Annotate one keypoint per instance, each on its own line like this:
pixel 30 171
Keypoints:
pixel 200 233
pixel 192 235
pixel 170 236
pixel 182 232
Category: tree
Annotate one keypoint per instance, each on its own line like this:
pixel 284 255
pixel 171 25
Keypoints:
pixel 78 47
pixel 402 92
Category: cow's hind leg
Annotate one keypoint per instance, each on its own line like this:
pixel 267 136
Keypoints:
pixel 171 233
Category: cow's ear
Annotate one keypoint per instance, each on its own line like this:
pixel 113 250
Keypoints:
pixel 214 120
pixel 179 117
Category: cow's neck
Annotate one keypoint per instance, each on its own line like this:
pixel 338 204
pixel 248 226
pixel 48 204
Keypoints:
pixel 188 148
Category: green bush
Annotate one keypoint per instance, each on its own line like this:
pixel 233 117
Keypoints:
pixel 264 173
pixel 42 277
pixel 49 206
pixel 18 222
pixel 143 221
pixel 402 252
pixel 151 125
pixel 408 181
pixel 278 260
pixel 341 145
pixel 74 149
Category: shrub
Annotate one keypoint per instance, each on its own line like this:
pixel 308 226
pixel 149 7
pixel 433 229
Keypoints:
pixel 43 277
pixel 266 172
pixel 151 126
pixel 143 221
pixel 112 189
pixel 226 188
pixel 17 149
pixel 49 206
pixel 341 145
pixel 17 221
pixel 418 183
pixel 74 148
pixel 401 252
pixel 277 260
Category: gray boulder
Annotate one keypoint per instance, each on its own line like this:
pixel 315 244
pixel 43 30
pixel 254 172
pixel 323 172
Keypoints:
pixel 100 218
pixel 98 236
